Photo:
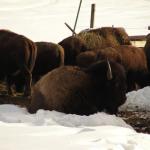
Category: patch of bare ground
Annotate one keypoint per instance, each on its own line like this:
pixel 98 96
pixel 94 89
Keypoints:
pixel 18 99
pixel 139 120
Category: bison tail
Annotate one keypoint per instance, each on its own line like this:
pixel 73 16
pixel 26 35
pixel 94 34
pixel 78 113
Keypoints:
pixel 33 55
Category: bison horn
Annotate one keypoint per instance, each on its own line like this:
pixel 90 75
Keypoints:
pixel 109 72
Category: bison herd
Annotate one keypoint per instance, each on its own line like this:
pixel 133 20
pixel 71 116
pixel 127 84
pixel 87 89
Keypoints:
pixel 82 74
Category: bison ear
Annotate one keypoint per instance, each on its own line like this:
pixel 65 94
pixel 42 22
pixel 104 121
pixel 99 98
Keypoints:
pixel 109 71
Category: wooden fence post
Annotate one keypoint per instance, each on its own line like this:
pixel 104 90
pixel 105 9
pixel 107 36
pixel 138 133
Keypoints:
pixel 77 17
pixel 92 15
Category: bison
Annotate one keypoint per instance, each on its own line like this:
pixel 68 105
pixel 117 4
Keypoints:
pixel 105 37
pixel 17 55
pixel 72 45
pixel 49 56
pixel 135 63
pixel 70 89
pixel 132 58
pixel 86 58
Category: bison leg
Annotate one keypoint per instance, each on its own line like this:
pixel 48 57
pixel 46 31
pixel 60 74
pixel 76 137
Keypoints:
pixel 9 83
pixel 28 79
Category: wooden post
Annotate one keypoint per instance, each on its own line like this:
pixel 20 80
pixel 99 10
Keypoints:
pixel 77 16
pixel 70 28
pixel 92 15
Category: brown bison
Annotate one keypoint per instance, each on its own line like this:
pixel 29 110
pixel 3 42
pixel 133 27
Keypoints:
pixel 135 63
pixel 105 37
pixel 17 55
pixel 49 56
pixel 86 58
pixel 70 89
pixel 122 36
pixel 72 45
pixel 132 58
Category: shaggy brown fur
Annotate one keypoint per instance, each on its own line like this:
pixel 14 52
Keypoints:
pixel 93 40
pixel 70 89
pixel 109 34
pixel 84 59
pixel 122 36
pixel 72 45
pixel 105 37
pixel 17 55
pixel 87 58
pixel 133 58
pixel 49 56
pixel 135 63
pixel 110 54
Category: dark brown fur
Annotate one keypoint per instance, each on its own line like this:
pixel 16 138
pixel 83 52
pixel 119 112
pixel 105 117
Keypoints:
pixel 49 56
pixel 70 89
pixel 85 59
pixel 17 55
pixel 135 63
pixel 110 36
pixel 122 36
pixel 72 45
pixel 131 57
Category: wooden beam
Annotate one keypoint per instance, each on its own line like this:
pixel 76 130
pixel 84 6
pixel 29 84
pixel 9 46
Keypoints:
pixel 92 15
pixel 74 33
pixel 77 16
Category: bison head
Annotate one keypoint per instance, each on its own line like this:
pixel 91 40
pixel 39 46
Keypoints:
pixel 110 79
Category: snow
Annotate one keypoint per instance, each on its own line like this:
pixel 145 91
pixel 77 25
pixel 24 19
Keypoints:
pixel 55 130
pixel 138 101
pixel 44 20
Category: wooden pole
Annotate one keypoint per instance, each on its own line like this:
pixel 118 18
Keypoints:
pixel 92 15
pixel 77 16
pixel 70 28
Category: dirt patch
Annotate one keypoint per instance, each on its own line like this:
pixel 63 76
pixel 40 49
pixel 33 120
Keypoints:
pixel 139 120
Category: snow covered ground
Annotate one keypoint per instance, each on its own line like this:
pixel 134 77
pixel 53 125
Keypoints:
pixel 44 20
pixel 54 130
